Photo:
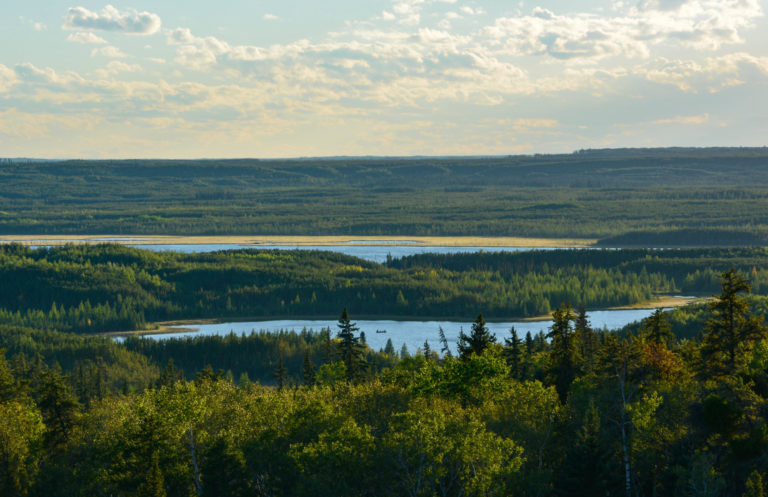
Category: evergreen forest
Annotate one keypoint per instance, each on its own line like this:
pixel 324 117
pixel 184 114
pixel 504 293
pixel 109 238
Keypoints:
pixel 621 197
pixel 641 411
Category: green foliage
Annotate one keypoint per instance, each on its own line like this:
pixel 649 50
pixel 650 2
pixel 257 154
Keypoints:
pixel 479 339
pixel 108 287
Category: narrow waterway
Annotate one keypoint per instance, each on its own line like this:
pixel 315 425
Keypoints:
pixel 411 333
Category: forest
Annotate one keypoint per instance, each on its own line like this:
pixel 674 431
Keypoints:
pixel 643 411
pixel 665 197
pixel 94 289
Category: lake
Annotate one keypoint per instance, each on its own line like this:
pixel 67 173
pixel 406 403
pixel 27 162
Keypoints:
pixel 411 333
pixel 375 253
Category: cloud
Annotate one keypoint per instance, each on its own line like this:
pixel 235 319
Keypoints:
pixel 534 123
pixel 699 24
pixel 116 67
pixel 111 19
pixel 700 119
pixel 109 51
pixel 39 26
pixel 8 78
pixel 710 75
pixel 86 38
pixel 270 17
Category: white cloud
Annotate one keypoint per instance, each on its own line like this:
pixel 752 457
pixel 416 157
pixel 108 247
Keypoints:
pixel 39 26
pixel 710 75
pixel 86 38
pixel 534 123
pixel 270 17
pixel 8 78
pixel 700 119
pixel 111 19
pixel 116 67
pixel 109 51
pixel 700 24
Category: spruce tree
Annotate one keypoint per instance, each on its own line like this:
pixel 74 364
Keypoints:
pixel 281 373
pixel 513 353
pixel 308 369
pixel 389 349
pixel 586 338
pixel 656 328
pixel 478 339
pixel 563 356
pixel 349 347
pixel 732 325
pixel 445 349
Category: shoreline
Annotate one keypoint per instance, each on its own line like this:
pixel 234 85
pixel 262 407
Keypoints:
pixel 338 240
pixel 188 325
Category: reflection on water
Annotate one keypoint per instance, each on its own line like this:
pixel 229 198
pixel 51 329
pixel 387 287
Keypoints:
pixel 411 333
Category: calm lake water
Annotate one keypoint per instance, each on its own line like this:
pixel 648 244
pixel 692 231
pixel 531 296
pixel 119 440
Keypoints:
pixel 411 333
pixel 375 253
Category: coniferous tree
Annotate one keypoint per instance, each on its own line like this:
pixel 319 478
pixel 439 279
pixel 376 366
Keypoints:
pixel 154 485
pixel 308 369
pixel 350 350
pixel 389 349
pixel 656 328
pixel 281 373
pixel 513 353
pixel 8 384
pixel 404 354
pixel 732 325
pixel 170 374
pixel 59 407
pixel 445 349
pixel 477 341
pixel 586 338
pixel 563 356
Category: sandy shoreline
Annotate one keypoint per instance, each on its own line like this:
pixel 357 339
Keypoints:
pixel 256 241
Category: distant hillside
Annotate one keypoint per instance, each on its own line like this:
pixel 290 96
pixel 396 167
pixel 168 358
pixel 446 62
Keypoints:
pixel 590 193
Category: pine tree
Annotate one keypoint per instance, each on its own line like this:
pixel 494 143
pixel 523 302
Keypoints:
pixel 477 341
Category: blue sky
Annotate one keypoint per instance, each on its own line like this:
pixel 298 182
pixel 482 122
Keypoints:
pixel 382 77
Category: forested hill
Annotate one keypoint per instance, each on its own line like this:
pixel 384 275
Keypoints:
pixel 680 193
pixel 112 287
pixel 596 168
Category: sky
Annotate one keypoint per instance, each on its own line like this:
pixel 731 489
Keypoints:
pixel 302 78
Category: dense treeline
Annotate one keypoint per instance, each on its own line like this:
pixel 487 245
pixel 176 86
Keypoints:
pixel 662 196
pixel 255 356
pixel 585 413
pixel 110 287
